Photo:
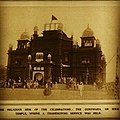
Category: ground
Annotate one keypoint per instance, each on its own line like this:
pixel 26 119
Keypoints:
pixel 60 93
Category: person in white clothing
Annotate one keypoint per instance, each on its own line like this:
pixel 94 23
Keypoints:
pixel 46 85
pixel 81 88
pixel 55 85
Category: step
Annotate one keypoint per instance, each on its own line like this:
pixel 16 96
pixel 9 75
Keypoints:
pixel 64 87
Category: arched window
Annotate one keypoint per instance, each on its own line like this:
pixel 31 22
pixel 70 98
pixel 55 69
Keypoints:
pixel 28 44
pixel 29 58
pixel 88 43
pixel 66 58
pixel 39 56
pixel 85 60
pixel 49 57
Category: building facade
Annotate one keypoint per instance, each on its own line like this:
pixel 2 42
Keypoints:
pixel 53 57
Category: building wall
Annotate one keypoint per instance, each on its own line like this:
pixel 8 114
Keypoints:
pixel 66 61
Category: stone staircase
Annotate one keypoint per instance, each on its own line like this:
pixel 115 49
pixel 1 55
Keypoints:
pixel 90 88
pixel 90 92
pixel 63 87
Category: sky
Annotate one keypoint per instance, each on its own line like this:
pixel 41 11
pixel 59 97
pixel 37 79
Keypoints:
pixel 103 19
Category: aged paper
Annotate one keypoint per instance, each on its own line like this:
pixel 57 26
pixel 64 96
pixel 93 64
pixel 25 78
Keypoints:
pixel 59 59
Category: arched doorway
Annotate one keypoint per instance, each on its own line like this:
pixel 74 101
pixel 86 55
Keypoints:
pixel 39 77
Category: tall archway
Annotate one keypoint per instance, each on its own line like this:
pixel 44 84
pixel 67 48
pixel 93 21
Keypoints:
pixel 39 77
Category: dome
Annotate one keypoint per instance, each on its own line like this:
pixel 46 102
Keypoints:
pixel 24 36
pixel 97 41
pixel 36 28
pixel 88 32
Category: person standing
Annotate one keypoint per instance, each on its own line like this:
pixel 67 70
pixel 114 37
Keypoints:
pixel 81 88
pixel 24 84
pixel 74 84
pixel 55 85
pixel 94 85
pixel 46 85
pixel 51 84
pixel 77 84
pixel 13 83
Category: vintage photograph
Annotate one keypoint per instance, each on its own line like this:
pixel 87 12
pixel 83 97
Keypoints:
pixel 66 51
pixel 59 52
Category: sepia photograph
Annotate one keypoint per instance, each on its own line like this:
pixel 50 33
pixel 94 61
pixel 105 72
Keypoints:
pixel 59 53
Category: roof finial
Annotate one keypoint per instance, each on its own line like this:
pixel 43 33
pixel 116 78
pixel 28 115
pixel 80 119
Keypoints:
pixel 35 28
pixel 71 35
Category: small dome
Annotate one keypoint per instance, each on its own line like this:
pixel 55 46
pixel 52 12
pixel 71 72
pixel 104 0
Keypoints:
pixel 10 46
pixel 88 32
pixel 97 41
pixel 24 36
pixel 36 28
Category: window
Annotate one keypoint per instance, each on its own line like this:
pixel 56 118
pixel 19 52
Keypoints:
pixel 66 58
pixel 106 108
pixel 88 43
pixel 18 62
pixel 39 56
pixel 85 61
pixel 28 44
pixel 38 68
pixel 115 108
pixel 42 68
pixel 35 68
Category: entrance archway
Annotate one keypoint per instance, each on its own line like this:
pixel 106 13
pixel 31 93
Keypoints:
pixel 39 77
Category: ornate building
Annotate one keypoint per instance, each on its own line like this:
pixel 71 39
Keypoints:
pixel 88 62
pixel 52 56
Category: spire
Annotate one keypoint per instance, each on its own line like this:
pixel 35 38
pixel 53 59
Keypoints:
pixel 36 30
pixel 35 35
pixel 72 36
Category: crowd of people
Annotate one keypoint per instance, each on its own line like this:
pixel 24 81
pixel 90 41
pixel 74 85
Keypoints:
pixel 22 84
pixel 70 83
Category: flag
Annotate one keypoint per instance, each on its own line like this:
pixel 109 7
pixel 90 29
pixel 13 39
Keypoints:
pixel 53 18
